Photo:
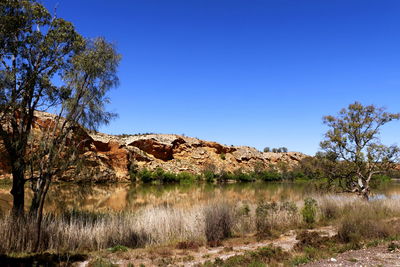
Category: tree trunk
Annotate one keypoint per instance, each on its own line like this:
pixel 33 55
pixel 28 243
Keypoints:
pixel 36 209
pixel 17 190
pixel 37 196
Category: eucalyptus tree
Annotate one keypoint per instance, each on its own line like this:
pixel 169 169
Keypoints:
pixel 45 65
pixel 353 137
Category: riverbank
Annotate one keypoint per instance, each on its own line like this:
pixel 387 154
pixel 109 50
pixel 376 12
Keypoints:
pixel 151 233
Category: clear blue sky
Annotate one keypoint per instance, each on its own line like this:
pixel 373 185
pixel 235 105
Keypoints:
pixel 248 72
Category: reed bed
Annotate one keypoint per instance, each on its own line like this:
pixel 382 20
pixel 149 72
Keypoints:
pixel 209 222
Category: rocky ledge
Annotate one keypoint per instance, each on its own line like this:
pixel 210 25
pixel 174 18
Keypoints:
pixel 113 156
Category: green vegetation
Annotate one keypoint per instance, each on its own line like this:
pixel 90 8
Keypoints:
pixel 118 248
pixel 309 211
pixel 160 176
pixel 355 153
pixel 276 150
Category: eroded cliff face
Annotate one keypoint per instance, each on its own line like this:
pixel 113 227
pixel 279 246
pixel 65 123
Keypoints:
pixel 112 156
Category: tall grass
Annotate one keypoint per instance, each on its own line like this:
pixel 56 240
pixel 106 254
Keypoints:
pixel 202 223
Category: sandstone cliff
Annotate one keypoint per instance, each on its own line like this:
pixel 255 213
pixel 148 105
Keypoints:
pixel 112 156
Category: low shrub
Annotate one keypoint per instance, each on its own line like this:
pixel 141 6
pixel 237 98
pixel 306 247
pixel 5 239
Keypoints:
pixel 218 222
pixel 361 223
pixel 118 248
pixel 309 211
pixel 209 176
pixel 269 176
pixel 310 239
pixel 329 210
pixel 272 216
pixel 222 156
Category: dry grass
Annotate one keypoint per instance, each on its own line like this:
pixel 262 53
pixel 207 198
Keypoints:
pixel 219 222
pixel 196 224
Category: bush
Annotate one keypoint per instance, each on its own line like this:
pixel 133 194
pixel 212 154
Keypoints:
pixel 310 239
pixel 243 177
pixel 263 222
pixel 361 224
pixel 329 211
pixel 309 211
pixel 185 177
pixel 118 248
pixel 161 176
pixel 218 222
pixel 209 176
pixel 272 217
pixel 222 156
pixel 269 176
pixel 145 176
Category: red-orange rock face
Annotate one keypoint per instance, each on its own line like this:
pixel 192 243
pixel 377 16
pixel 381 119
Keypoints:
pixel 112 155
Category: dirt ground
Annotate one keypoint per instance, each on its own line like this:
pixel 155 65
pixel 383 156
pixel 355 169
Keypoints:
pixel 368 257
pixel 168 256
pixel 377 256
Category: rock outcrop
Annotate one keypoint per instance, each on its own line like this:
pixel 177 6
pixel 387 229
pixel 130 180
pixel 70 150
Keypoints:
pixel 112 156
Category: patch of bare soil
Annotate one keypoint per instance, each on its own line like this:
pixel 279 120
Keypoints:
pixel 380 255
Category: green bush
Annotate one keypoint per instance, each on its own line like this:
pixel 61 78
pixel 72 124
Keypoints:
pixel 263 223
pixel 269 176
pixel 309 211
pixel 145 175
pixel 222 156
pixel 209 176
pixel 118 248
pixel 243 177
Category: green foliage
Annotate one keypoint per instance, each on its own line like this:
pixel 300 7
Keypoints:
pixel 209 176
pixel 309 211
pixel 159 176
pixel 269 176
pixel 267 149
pixel 378 180
pixel 145 175
pixel 222 156
pixel 241 176
pixel 118 248
pixel 47 65
pixel 353 137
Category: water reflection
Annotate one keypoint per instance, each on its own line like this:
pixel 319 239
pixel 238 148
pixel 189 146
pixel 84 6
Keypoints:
pixel 119 197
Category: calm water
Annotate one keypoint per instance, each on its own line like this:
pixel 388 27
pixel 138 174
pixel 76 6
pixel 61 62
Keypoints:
pixel 118 197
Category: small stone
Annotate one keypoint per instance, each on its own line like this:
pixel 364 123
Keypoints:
pixel 333 260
